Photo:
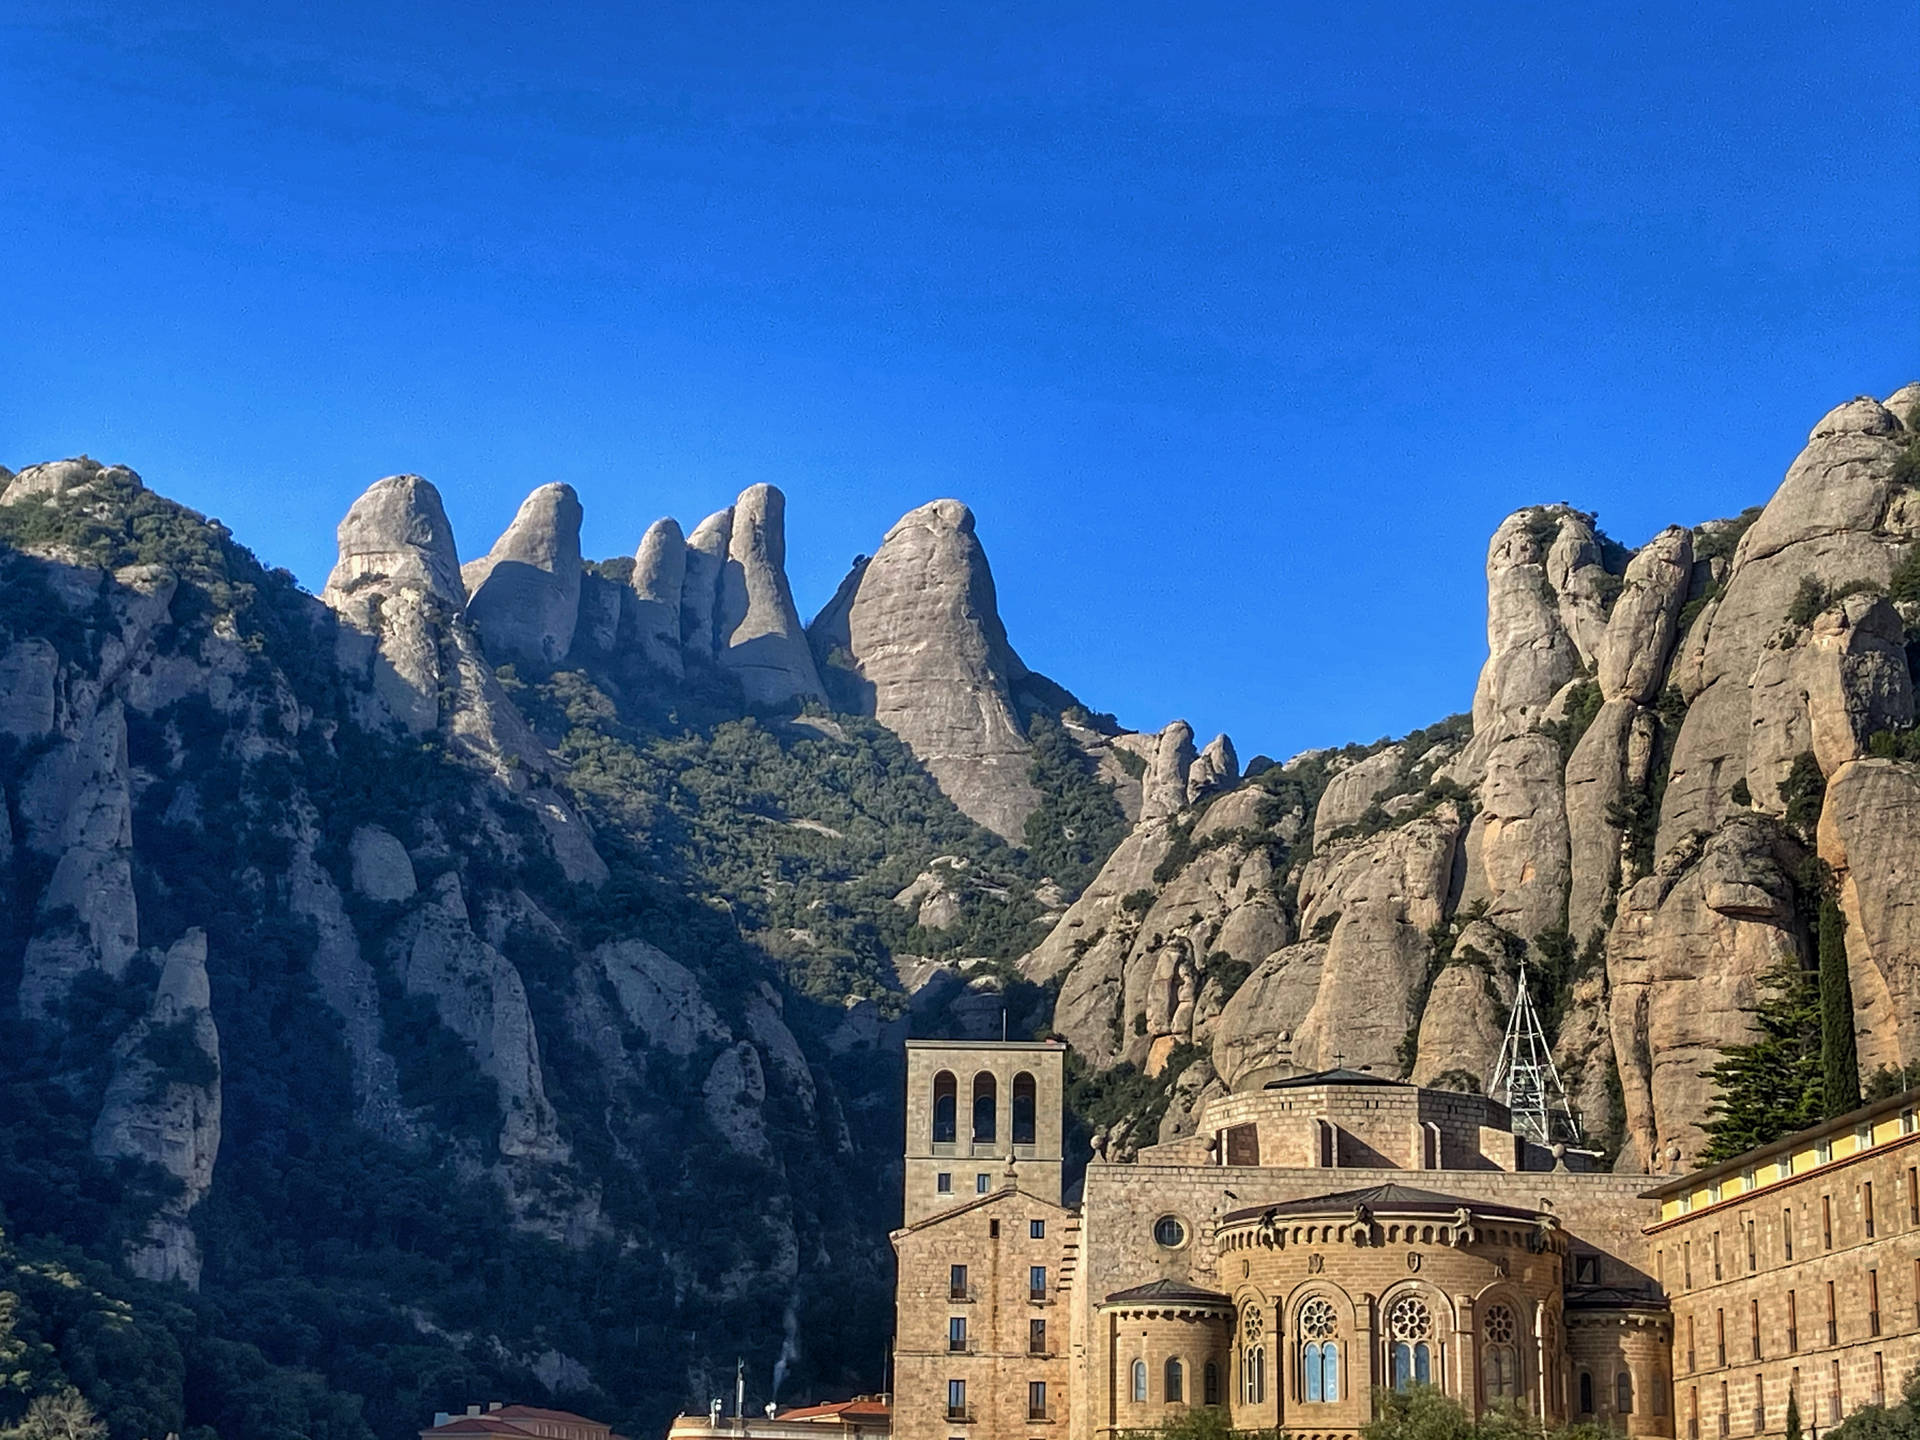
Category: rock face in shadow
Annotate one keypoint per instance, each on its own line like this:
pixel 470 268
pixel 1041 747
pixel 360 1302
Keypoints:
pixel 757 632
pixel 914 639
pixel 524 594
pixel 659 575
pixel 163 1107
pixel 700 585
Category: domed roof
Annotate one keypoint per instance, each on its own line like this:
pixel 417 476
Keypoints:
pixel 1381 1199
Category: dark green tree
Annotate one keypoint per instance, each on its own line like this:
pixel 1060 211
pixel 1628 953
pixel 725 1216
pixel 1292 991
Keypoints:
pixel 1840 1066
pixel 1793 1415
pixel 1772 1085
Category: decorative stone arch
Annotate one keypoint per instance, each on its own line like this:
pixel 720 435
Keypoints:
pixel 1248 1387
pixel 1507 1366
pixel 1348 1369
pixel 1394 1331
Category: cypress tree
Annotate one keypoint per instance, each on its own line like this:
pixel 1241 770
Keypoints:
pixel 1793 1416
pixel 1840 1066
pixel 1772 1085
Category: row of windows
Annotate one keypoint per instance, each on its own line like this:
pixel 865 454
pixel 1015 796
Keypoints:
pixel 1173 1383
pixel 957 1400
pixel 1870 1218
pixel 958 1287
pixel 985 1108
pixel 1782 1169
pixel 1835 1406
pixel 1792 1335
pixel 957 1336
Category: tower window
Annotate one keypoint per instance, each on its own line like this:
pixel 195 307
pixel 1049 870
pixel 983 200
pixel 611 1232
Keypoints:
pixel 957 1334
pixel 1036 1229
pixel 1024 1109
pixel 943 1182
pixel 982 1184
pixel 986 1109
pixel 1139 1382
pixel 1169 1233
pixel 946 1099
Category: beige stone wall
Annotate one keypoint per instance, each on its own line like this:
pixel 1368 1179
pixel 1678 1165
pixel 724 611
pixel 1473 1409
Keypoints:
pixel 1364 1273
pixel 963 1160
pixel 1840 1369
pixel 1151 1336
pixel 993 1239
pixel 1376 1125
pixel 1604 1343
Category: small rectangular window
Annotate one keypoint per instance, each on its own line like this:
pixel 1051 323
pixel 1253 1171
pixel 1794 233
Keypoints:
pixel 1786 1232
pixel 1753 1322
pixel 1036 1229
pixel 1036 1399
pixel 943 1183
pixel 1823 1152
pixel 1716 1256
pixel 1793 1323
pixel 1753 1250
pixel 1873 1302
pixel 1833 1317
pixel 1826 1221
pixel 1913 1194
pixel 982 1183
pixel 956 1399
pixel 1909 1121
pixel 1036 1282
pixel 957 1334
pixel 957 1282
pixel 1036 1337
pixel 1866 1206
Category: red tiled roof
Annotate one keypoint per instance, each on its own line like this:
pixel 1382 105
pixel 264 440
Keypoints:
pixel 851 1409
pixel 477 1425
pixel 534 1412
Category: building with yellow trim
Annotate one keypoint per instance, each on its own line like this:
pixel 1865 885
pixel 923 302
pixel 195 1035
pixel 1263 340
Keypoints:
pixel 1320 1237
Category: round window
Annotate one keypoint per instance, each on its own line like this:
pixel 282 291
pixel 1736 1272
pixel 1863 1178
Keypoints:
pixel 1169 1232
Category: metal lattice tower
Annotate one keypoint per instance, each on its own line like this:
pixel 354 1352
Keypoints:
pixel 1525 1079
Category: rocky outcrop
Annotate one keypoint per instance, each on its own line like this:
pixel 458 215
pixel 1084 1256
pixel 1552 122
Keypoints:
pixel 1521 835
pixel 524 594
pixel 382 869
pixel 163 1107
pixel 1640 631
pixel 659 579
pixel 1463 1023
pixel 1253 1036
pixel 660 997
pixel 757 632
pixel 700 586
pixel 77 806
pixel 1823 525
pixel 1691 941
pixel 1870 835
pixel 1375 900
pixel 1352 790
pixel 404 636
pixel 914 639
pixel 1215 768
pixel 1164 790
pixel 480 998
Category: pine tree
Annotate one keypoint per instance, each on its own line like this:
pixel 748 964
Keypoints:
pixel 1840 1066
pixel 1773 1085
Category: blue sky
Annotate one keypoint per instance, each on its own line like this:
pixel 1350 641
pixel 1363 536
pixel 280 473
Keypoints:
pixel 1239 327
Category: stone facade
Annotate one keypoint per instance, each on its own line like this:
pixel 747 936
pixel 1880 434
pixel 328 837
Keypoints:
pixel 1322 1237
pixel 1795 1269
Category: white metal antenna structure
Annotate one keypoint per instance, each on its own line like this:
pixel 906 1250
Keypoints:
pixel 1525 1079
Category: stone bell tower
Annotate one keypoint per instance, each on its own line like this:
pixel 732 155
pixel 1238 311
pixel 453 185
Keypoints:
pixel 978 1111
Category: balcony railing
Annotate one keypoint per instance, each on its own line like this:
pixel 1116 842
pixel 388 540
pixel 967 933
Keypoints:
pixel 1759 1420
pixel 1726 1427
pixel 1833 1409
pixel 959 1415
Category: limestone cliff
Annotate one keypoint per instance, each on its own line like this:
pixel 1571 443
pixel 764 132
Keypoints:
pixel 914 638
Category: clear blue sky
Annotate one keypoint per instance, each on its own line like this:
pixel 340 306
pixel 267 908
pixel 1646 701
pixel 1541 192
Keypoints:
pixel 1240 328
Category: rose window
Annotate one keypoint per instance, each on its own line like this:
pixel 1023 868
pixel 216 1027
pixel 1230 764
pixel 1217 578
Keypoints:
pixel 1499 1324
pixel 1317 1319
pixel 1410 1319
pixel 1252 1325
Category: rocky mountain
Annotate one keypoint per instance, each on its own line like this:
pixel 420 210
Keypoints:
pixel 489 978
pixel 1665 748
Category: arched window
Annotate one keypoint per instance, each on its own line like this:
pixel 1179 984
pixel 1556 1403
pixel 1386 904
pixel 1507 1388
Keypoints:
pixel 1319 1352
pixel 1500 1360
pixel 1586 1393
pixel 986 1108
pixel 1253 1355
pixel 1023 1109
pixel 946 1093
pixel 1140 1382
pixel 1174 1388
pixel 1623 1393
pixel 1210 1384
pixel 1410 1332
